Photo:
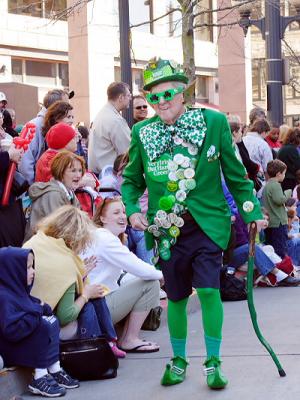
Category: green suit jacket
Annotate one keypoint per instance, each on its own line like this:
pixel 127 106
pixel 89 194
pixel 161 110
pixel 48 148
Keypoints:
pixel 206 203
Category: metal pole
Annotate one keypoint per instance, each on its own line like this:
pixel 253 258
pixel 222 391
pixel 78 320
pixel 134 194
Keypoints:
pixel 125 60
pixel 274 61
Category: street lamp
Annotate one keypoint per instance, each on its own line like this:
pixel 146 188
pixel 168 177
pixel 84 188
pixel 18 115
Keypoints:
pixel 125 59
pixel 272 27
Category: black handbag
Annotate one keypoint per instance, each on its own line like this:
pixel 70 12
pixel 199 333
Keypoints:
pixel 231 287
pixel 152 322
pixel 88 359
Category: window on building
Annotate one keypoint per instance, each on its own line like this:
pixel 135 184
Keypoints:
pixel 292 120
pixel 259 88
pixel 141 11
pixel 292 90
pixel 40 73
pixel 16 70
pixel 137 78
pixel 175 19
pixel 201 89
pixel 63 74
pixel 256 13
pixel 294 26
pixel 204 17
pixel 38 8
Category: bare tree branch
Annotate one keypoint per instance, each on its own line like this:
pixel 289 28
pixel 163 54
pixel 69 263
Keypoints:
pixel 70 10
pixel 156 19
pixel 232 7
pixel 217 24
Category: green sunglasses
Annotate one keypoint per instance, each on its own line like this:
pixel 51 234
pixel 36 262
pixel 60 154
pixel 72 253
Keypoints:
pixel 167 95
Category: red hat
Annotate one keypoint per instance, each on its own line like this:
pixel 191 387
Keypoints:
pixel 59 135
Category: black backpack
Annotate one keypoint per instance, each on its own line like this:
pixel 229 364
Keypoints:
pixel 231 287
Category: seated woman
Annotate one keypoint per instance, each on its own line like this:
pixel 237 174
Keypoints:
pixel 67 169
pixel 29 333
pixel 60 275
pixel 135 298
pixel 135 238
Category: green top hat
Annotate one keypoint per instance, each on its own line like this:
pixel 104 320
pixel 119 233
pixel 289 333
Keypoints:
pixel 158 71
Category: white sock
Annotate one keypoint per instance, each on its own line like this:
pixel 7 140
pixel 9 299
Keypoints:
pixel 54 367
pixel 280 275
pixel 40 372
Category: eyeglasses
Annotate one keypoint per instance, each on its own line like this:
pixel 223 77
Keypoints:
pixel 144 107
pixel 167 95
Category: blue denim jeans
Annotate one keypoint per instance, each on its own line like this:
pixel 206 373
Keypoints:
pixel 293 248
pixel 94 320
pixel 137 244
pixel 278 237
pixel 261 260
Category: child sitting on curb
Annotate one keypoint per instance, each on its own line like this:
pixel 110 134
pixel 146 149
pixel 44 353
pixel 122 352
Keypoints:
pixel 29 333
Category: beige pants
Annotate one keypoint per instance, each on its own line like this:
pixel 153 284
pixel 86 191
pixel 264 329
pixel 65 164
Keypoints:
pixel 136 295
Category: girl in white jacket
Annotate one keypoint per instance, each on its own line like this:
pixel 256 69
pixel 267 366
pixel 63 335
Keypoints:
pixel 136 297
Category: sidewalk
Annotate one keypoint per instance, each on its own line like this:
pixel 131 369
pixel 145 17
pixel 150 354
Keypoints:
pixel 251 372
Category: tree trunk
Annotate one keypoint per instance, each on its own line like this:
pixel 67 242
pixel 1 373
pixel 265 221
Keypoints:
pixel 188 47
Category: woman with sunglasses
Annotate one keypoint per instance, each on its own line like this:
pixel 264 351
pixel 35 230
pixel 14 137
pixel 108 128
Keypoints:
pixel 140 108
pixel 136 297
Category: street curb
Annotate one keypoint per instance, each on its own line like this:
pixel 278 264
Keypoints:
pixel 13 382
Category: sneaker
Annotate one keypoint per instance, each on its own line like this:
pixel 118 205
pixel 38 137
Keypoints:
pixel 64 380
pixel 46 386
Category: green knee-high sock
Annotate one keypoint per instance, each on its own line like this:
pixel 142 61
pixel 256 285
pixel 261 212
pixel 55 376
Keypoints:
pixel 212 317
pixel 177 322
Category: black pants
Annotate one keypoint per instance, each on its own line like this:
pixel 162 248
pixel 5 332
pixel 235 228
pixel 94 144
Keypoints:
pixel 12 225
pixel 195 262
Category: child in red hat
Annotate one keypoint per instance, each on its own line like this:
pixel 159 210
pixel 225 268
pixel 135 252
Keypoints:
pixel 59 137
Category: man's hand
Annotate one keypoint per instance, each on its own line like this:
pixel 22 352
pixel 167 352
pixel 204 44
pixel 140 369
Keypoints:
pixel 261 224
pixel 138 221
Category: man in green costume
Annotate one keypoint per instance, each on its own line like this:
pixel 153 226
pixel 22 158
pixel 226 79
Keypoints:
pixel 179 155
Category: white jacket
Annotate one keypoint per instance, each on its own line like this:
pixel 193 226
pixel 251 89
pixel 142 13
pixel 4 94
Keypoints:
pixel 109 137
pixel 112 258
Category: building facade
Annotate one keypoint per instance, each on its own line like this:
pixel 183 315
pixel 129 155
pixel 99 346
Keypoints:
pixel 33 53
pixel 94 49
pixel 83 54
pixel 291 54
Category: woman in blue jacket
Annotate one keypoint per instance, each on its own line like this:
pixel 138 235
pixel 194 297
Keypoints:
pixel 29 333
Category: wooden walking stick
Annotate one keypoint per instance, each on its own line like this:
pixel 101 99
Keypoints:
pixel 252 233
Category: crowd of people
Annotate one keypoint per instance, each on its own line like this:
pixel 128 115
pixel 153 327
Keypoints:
pixel 103 222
